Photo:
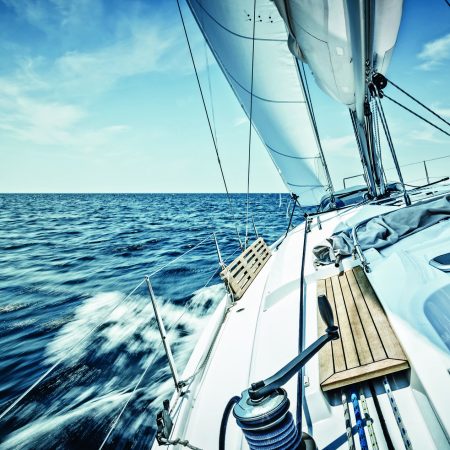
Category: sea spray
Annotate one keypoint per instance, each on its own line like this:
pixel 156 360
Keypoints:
pixel 127 339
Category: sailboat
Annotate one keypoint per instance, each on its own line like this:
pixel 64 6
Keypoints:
pixel 337 335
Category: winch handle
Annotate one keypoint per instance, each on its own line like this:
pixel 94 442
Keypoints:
pixel 264 388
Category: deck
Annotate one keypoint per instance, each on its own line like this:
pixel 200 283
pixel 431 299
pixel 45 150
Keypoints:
pixel 368 347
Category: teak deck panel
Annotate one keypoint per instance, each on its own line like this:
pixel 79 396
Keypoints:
pixel 368 347
pixel 239 274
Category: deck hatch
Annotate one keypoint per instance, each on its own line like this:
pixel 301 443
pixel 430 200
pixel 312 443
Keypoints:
pixel 368 347
pixel 240 273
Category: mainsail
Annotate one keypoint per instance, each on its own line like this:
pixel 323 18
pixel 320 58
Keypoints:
pixel 280 111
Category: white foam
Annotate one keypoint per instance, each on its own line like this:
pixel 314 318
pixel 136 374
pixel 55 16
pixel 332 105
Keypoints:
pixel 39 427
pixel 129 332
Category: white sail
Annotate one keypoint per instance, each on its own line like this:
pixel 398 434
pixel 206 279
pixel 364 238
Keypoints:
pixel 280 112
pixel 326 35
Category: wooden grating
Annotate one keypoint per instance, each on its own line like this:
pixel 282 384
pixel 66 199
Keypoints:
pixel 368 347
pixel 239 274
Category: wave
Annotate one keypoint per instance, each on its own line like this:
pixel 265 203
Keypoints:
pixel 98 374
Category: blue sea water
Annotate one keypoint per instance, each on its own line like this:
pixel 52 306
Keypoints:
pixel 67 264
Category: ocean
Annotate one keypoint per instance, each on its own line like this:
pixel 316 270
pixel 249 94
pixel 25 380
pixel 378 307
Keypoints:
pixel 68 263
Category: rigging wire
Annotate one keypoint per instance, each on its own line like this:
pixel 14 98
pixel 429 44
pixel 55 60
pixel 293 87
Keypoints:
pixel 391 147
pixel 417 101
pixel 376 128
pixel 92 330
pixel 188 305
pixel 159 269
pixel 207 117
pixel 304 81
pixel 250 125
pixel 415 114
pixel 213 116
pixel 358 143
pixel 116 420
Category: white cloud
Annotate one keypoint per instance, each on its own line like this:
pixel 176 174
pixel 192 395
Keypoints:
pixel 441 110
pixel 47 99
pixel 435 53
pixel 241 120
pixel 44 122
pixel 342 145
pixel 53 16
pixel 425 135
pixel 142 52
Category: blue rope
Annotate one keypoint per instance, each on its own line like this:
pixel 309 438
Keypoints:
pixel 359 422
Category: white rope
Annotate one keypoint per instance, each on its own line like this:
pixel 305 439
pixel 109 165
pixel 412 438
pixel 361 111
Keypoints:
pixel 250 117
pixel 60 360
pixel 184 443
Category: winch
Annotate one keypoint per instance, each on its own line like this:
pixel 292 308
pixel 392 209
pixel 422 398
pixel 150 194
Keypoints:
pixel 262 411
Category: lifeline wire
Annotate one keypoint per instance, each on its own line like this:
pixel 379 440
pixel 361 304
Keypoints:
pixel 116 420
pixel 58 362
pixel 250 125
pixel 204 286
pixel 420 162
pixel 207 116
pixel 179 257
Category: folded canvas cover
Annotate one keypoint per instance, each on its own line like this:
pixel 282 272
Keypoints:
pixel 387 229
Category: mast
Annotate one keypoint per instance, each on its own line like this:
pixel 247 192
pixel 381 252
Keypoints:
pixel 345 42
pixel 360 27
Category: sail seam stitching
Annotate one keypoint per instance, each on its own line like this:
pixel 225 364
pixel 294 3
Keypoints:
pixel 234 33
pixel 290 156
pixel 262 98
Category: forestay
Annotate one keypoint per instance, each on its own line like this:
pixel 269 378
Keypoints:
pixel 280 112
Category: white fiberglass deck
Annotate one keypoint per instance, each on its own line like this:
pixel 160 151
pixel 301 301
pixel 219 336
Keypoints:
pixel 260 334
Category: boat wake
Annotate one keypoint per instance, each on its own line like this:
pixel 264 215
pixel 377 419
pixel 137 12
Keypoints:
pixel 77 404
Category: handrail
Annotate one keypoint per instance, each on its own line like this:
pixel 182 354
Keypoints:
pixel 424 162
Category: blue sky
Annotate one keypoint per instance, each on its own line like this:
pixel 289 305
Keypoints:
pixel 101 97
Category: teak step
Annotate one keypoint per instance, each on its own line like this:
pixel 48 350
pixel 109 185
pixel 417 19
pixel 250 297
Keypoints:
pixel 368 347
pixel 239 274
